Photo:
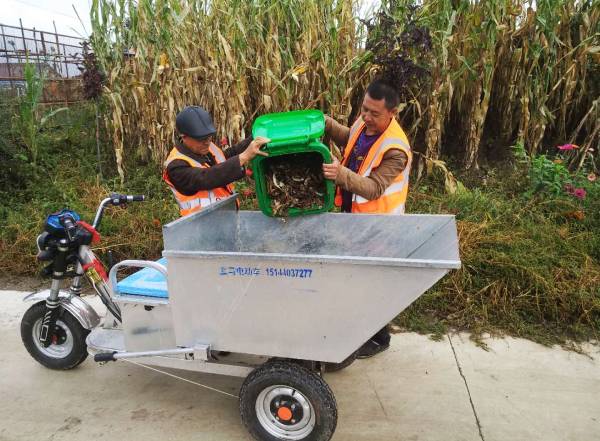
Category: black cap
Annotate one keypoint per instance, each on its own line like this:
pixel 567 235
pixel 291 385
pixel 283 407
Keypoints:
pixel 195 122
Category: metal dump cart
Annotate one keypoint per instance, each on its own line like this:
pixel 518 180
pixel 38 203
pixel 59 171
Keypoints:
pixel 276 301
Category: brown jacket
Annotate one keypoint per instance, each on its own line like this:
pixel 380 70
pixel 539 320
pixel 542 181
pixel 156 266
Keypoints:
pixel 371 187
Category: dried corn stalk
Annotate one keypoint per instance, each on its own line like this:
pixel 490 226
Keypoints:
pixel 238 59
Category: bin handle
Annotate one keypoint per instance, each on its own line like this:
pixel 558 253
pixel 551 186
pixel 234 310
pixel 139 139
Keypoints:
pixel 303 139
pixel 112 275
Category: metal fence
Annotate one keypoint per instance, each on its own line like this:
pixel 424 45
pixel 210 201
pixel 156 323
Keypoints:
pixel 55 56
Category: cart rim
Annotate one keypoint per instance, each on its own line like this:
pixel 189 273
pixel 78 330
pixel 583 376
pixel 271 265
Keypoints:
pixel 270 398
pixel 57 351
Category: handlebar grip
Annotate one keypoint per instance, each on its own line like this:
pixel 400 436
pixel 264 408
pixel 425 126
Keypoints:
pixel 69 224
pixel 118 199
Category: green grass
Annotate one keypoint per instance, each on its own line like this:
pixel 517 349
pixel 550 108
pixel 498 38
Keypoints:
pixel 66 177
pixel 531 267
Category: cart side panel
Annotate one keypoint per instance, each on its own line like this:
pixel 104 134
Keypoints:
pixel 294 309
pixel 147 328
pixel 335 234
pixel 213 228
pixel 442 244
pixel 221 228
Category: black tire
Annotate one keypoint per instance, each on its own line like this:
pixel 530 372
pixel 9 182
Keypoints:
pixel 308 387
pixel 334 367
pixel 66 321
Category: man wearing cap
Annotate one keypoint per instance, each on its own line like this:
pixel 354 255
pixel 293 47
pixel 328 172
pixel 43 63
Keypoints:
pixel 198 172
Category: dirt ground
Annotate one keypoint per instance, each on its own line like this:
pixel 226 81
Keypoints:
pixel 23 283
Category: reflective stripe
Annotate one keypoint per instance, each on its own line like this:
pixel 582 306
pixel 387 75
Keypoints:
pixel 189 204
pixel 186 158
pixel 398 210
pixel 356 127
pixel 198 202
pixel 352 139
pixel 383 146
pixel 184 204
pixel 395 187
pixel 217 152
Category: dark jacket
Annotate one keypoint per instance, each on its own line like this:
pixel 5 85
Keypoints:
pixel 189 180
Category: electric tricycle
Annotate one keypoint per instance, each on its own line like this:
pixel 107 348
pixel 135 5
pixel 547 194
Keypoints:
pixel 279 302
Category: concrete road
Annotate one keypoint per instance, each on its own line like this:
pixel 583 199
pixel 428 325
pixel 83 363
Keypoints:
pixel 419 390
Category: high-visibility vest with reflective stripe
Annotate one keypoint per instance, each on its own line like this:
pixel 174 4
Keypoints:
pixel 393 198
pixel 203 198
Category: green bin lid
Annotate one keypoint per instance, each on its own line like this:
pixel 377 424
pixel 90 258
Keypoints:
pixel 298 126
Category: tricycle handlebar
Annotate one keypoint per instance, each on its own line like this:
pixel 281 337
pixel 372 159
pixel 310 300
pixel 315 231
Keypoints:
pixel 115 199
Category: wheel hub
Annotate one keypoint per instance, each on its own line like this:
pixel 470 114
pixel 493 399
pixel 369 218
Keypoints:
pixel 61 343
pixel 59 336
pixel 286 410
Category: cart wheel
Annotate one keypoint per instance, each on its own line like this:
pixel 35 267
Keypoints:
pixel 69 349
pixel 284 401
pixel 334 367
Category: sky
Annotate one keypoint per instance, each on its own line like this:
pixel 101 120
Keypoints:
pixel 41 13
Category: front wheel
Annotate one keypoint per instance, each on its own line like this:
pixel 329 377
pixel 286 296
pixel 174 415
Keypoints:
pixel 68 348
pixel 284 401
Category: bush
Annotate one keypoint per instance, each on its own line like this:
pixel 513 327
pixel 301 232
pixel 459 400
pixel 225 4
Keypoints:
pixel 531 265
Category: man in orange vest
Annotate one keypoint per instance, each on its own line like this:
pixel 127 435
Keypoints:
pixel 373 175
pixel 198 172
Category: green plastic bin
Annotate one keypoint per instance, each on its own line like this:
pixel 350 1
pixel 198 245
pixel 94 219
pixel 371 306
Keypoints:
pixel 290 133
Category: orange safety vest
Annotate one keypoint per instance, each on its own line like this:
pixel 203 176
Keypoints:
pixel 393 199
pixel 203 198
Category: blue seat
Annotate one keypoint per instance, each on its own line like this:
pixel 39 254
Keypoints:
pixel 145 282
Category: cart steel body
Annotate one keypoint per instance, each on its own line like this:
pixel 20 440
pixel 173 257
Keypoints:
pixel 273 300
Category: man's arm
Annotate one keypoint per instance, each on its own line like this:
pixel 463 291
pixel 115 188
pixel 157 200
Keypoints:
pixel 238 148
pixel 337 132
pixel 372 187
pixel 189 180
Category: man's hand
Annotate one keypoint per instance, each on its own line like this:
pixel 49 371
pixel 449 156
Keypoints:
pixel 253 149
pixel 330 171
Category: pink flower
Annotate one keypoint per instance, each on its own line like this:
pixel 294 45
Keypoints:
pixel 592 177
pixel 569 188
pixel 579 193
pixel 568 147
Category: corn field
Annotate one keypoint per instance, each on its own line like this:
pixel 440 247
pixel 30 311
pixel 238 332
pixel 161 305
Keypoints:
pixel 476 77
pixel 494 73
pixel 238 59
